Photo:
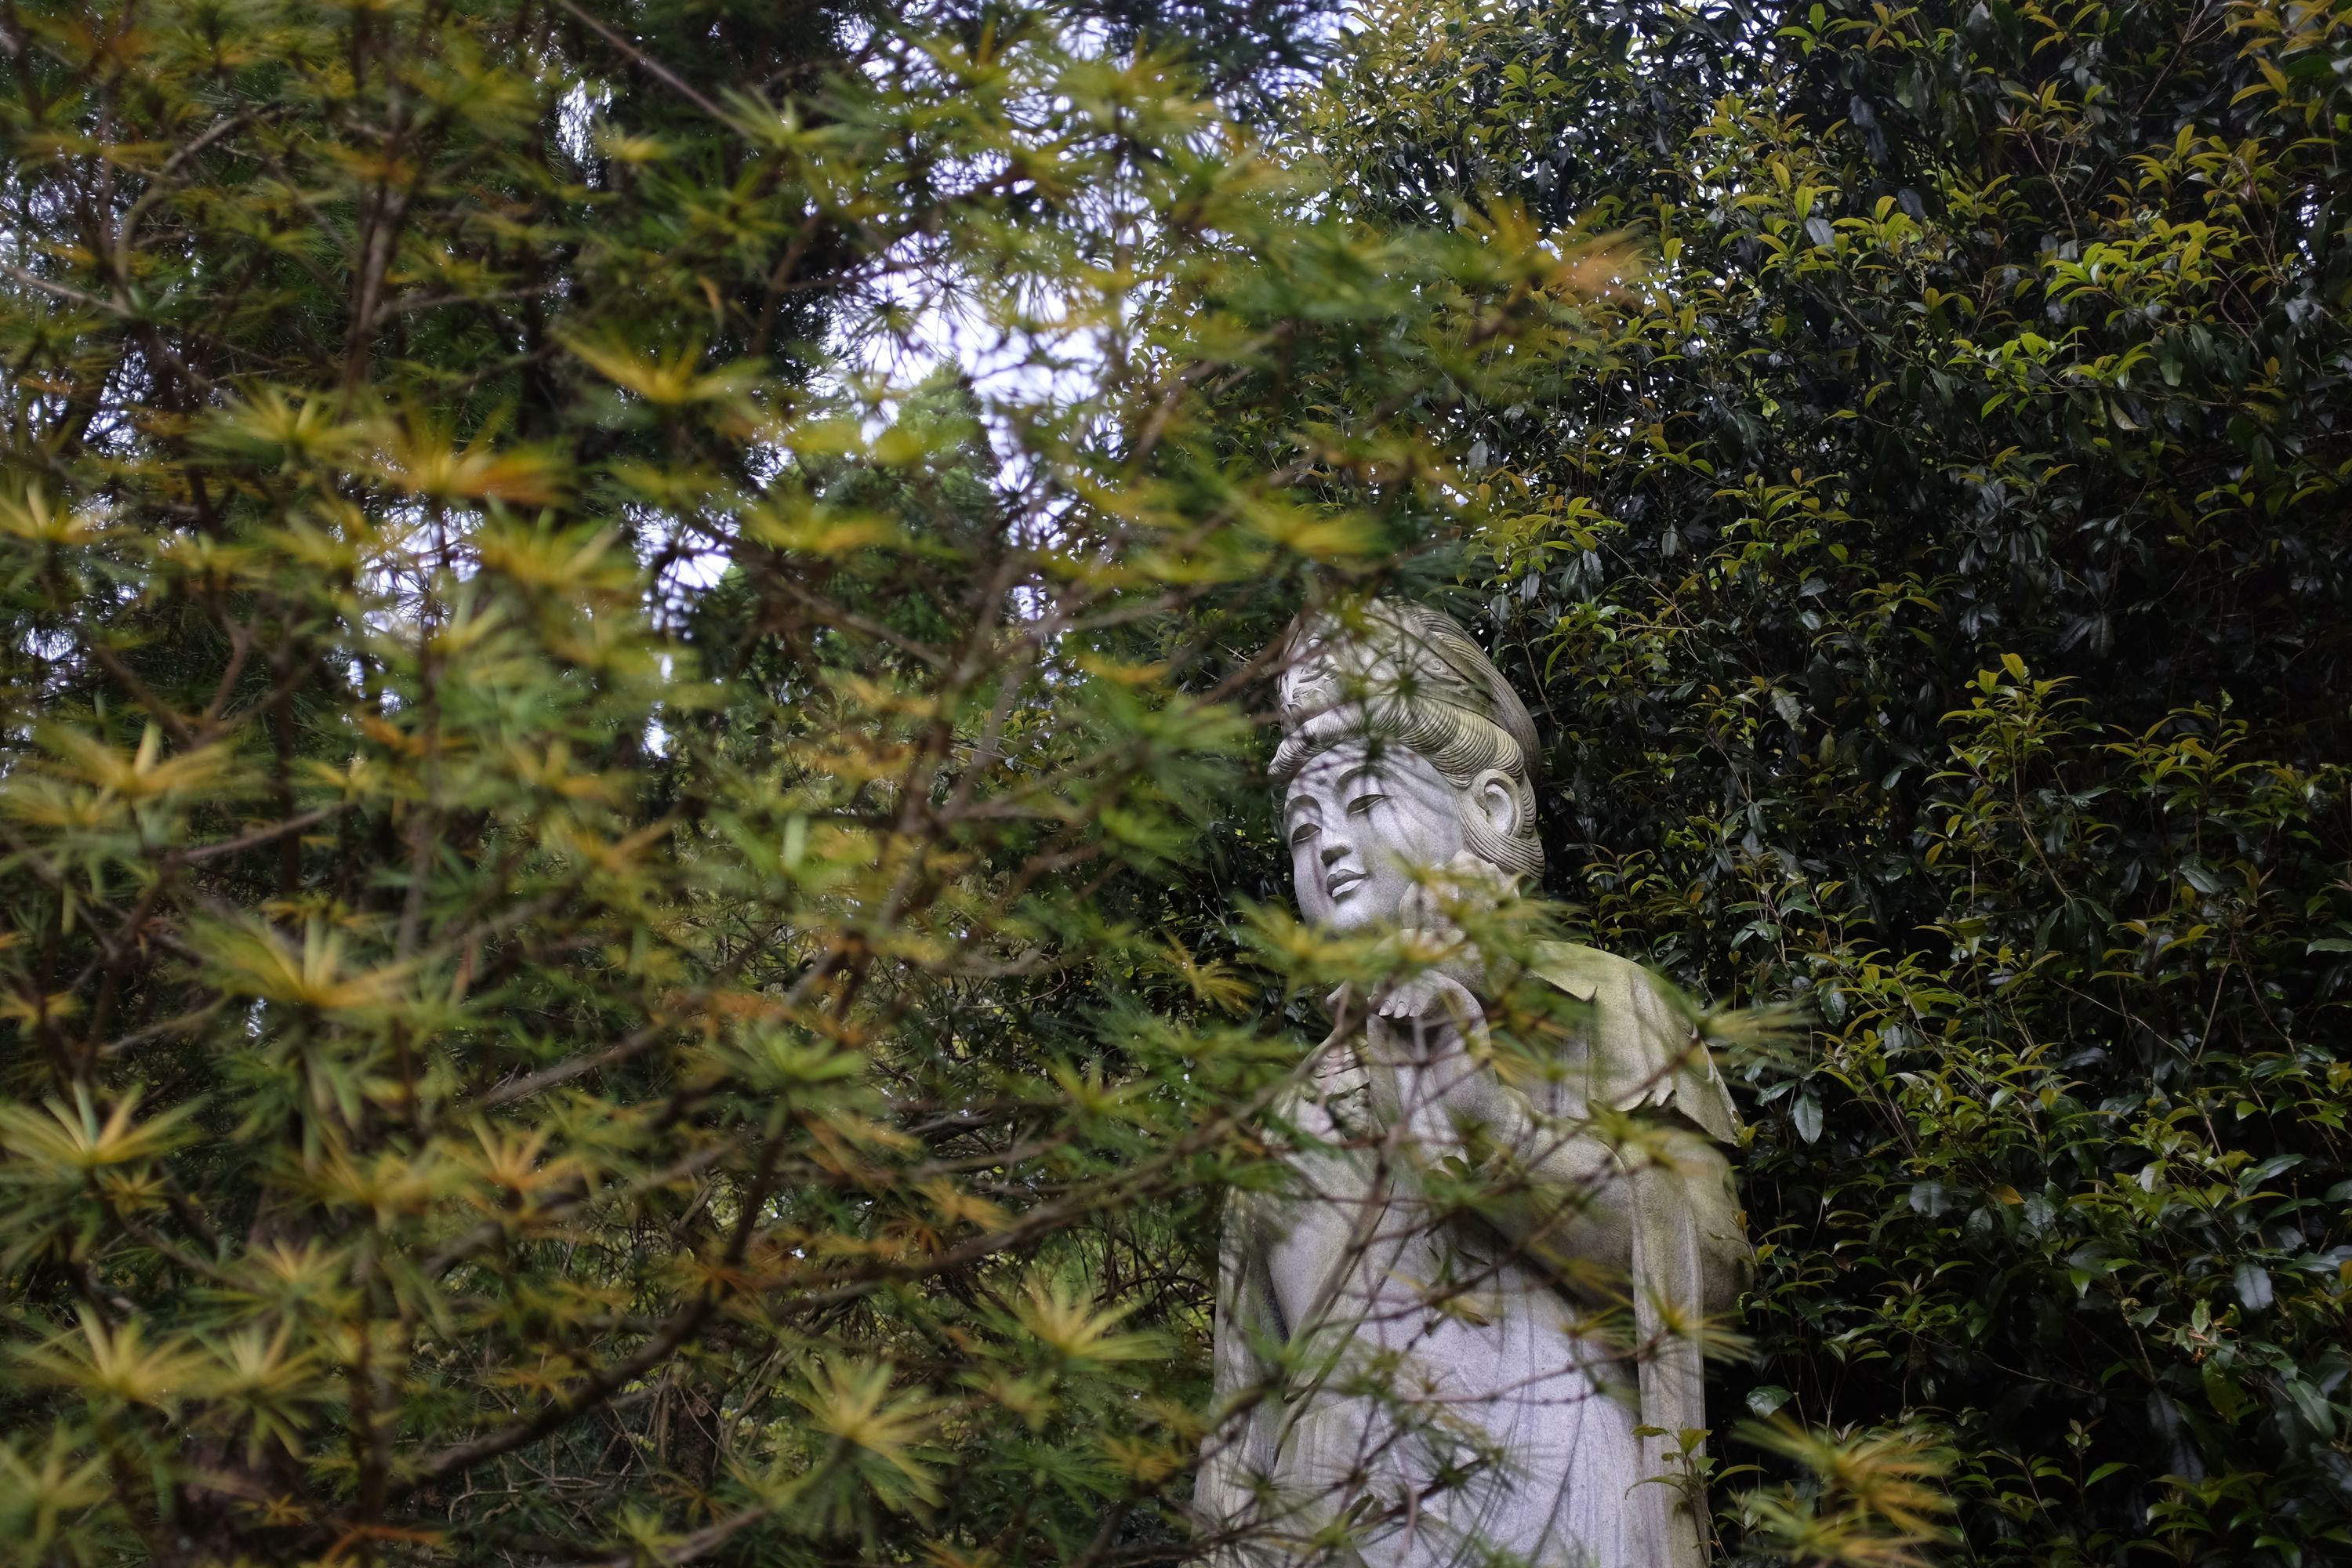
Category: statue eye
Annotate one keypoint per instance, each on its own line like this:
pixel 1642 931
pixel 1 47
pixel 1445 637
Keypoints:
pixel 1302 833
pixel 1364 803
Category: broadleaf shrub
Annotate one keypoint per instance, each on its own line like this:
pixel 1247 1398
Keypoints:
pixel 1937 604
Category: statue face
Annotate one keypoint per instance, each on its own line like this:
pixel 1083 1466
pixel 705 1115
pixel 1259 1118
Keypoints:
pixel 1363 818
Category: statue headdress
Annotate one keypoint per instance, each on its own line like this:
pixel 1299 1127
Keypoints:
pixel 1407 674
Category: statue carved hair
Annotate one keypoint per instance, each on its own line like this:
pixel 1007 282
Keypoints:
pixel 1401 673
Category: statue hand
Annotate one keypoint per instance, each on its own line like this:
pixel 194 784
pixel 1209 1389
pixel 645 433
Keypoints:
pixel 1427 1080
pixel 1428 1015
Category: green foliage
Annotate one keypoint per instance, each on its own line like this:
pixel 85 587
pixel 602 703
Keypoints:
pixel 638 911
pixel 1937 608
pixel 613 949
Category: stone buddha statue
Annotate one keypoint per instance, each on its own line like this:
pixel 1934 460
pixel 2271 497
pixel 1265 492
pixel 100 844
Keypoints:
pixel 1468 1330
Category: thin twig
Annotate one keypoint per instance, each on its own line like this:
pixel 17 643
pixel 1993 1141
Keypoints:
pixel 653 68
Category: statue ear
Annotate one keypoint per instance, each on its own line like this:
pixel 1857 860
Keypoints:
pixel 1497 802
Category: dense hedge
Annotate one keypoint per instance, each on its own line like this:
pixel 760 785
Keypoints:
pixel 1940 613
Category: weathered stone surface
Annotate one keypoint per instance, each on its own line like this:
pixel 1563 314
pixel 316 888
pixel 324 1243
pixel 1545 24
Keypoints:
pixel 1408 1388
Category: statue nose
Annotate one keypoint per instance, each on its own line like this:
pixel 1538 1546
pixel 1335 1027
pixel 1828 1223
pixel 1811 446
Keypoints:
pixel 1335 850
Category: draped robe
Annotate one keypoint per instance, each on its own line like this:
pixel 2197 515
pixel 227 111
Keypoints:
pixel 1400 1392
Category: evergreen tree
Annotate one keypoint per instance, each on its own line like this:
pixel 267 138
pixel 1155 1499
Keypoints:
pixel 613 951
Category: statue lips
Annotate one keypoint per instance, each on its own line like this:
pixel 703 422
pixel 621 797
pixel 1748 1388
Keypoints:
pixel 1342 883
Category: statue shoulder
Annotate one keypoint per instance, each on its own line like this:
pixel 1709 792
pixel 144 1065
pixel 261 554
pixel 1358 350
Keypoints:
pixel 1588 974
pixel 1645 1050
